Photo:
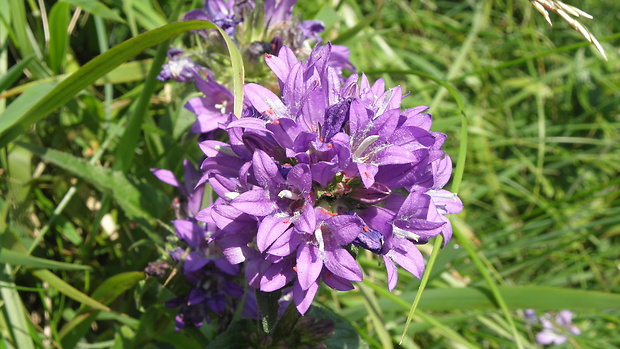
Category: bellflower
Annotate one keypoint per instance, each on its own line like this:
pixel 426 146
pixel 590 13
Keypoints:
pixel 555 330
pixel 212 110
pixel 327 165
pixel 179 68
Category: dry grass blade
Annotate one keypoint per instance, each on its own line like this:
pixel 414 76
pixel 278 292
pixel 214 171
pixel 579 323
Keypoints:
pixel 566 11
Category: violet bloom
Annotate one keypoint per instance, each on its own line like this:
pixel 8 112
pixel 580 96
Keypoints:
pixel 224 14
pixel 190 199
pixel 555 330
pixel 324 166
pixel 178 67
pixel 212 110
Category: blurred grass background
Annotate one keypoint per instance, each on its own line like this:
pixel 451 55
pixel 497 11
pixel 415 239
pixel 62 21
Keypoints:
pixel 540 184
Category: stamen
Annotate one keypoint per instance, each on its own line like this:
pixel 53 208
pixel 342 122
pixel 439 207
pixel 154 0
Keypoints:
pixel 405 234
pixel 319 238
pixel 365 144
pixel 289 195
pixel 231 195
pixel 222 106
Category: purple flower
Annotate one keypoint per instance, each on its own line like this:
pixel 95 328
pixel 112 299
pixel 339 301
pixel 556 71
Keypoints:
pixel 214 109
pixel 278 11
pixel 179 68
pixel 555 330
pixel 326 165
pixel 190 200
pixel 224 14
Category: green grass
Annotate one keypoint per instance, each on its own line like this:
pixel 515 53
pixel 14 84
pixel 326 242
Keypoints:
pixel 540 179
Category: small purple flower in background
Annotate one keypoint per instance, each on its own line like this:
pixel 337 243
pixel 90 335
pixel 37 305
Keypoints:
pixel 224 14
pixel 190 199
pixel 179 68
pixel 555 330
pixel 329 164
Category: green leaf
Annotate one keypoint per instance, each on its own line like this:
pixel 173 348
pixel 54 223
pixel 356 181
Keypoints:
pixel 126 72
pixel 268 307
pixel 140 201
pixel 61 286
pixel 59 37
pixel 13 310
pixel 15 258
pixel 17 110
pixel 114 286
pixel 344 335
pixel 95 7
pixel 14 73
pixel 106 293
pixel 517 297
pixel 236 336
pixel 103 64
pixel 25 43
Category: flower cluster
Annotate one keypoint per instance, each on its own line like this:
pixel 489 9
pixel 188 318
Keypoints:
pixel 328 165
pixel 211 277
pixel 555 330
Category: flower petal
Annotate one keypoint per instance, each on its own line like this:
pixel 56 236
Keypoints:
pixel 254 202
pixel 309 265
pixel 270 229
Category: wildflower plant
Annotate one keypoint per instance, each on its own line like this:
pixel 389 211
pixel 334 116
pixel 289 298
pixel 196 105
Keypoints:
pixel 316 170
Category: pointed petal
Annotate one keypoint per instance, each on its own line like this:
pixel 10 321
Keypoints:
pixel 193 262
pixel 344 228
pixel 407 255
pixel 392 272
pixel 265 170
pixel 166 177
pixel 254 202
pixel 335 281
pixel 309 265
pixel 303 298
pixel 341 263
pixel 190 232
pixel 270 229
pixel 277 275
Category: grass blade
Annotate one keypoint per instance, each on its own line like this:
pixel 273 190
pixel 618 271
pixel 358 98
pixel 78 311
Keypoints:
pixel 14 312
pixel 61 286
pixel 15 258
pixel 14 73
pixel 97 68
pixel 96 8
pixel 59 38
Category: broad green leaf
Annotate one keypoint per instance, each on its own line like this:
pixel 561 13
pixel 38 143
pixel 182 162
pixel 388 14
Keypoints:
pixel 15 258
pixel 344 335
pixel 106 293
pixel 96 8
pixel 20 107
pixel 139 201
pixel 61 286
pixel 235 337
pixel 517 297
pixel 59 37
pixel 103 64
pixel 114 286
pixel 15 314
pixel 126 72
